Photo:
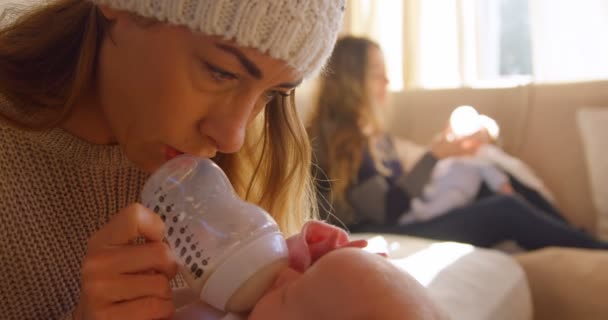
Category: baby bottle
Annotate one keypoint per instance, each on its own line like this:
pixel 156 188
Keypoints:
pixel 464 121
pixel 229 251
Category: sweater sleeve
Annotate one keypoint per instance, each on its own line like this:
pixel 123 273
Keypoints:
pixel 68 316
pixel 413 182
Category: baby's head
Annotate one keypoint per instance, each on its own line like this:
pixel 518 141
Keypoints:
pixel 346 283
pixel 334 284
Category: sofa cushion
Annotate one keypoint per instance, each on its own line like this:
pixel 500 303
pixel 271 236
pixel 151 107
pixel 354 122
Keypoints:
pixel 567 283
pixel 592 123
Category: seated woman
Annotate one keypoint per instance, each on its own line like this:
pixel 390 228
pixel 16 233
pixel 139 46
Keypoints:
pixel 365 180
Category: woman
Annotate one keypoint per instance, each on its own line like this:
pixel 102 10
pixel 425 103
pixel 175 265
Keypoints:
pixel 97 94
pixel 371 189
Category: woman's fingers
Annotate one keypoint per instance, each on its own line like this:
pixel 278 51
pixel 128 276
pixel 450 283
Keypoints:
pixel 131 259
pixel 128 224
pixel 141 309
pixel 122 288
pixel 123 280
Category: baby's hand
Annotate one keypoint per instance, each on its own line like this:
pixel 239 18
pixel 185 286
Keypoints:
pixel 506 189
pixel 314 241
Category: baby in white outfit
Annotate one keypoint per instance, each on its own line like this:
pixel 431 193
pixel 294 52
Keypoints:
pixel 455 182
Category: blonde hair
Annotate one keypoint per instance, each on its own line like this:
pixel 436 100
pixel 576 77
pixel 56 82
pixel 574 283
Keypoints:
pixel 45 66
pixel 342 112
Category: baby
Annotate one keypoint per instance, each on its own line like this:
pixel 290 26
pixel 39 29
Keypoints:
pixel 455 182
pixel 330 277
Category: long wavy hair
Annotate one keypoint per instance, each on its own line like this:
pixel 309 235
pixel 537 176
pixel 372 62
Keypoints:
pixel 342 118
pixel 45 65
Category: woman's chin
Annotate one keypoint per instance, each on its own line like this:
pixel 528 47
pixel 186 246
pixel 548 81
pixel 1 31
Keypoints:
pixel 147 163
pixel 149 166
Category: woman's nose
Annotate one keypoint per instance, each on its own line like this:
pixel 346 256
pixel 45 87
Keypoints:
pixel 226 125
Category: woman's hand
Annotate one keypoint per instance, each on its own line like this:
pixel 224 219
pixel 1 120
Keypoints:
pixel 198 310
pixel 122 280
pixel 443 147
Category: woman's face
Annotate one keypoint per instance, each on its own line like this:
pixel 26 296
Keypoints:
pixel 164 90
pixel 377 80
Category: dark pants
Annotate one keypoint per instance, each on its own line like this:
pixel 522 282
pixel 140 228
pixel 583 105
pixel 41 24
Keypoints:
pixel 494 219
pixel 532 197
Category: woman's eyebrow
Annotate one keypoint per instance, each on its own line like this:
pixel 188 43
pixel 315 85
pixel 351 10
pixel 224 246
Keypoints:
pixel 251 68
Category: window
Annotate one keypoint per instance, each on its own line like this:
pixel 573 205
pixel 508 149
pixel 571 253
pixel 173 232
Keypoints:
pixel 473 42
pixel 452 43
pixel 505 49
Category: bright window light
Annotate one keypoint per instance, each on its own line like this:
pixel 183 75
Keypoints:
pixel 427 264
pixel 390 37
pixel 438 49
pixel 382 21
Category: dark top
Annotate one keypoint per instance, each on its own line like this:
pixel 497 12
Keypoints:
pixel 380 196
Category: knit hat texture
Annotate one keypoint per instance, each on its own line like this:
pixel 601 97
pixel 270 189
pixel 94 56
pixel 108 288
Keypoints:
pixel 300 32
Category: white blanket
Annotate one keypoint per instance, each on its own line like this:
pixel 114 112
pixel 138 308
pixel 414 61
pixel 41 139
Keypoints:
pixel 516 168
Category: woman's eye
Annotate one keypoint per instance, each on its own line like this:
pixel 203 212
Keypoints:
pixel 271 94
pixel 219 74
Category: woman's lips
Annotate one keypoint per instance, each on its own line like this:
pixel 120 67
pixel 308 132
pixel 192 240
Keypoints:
pixel 171 153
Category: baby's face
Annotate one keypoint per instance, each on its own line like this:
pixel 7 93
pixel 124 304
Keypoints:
pixel 297 296
pixel 294 296
pixel 277 303
pixel 344 284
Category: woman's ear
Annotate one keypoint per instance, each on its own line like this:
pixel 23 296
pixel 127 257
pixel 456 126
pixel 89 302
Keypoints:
pixel 130 19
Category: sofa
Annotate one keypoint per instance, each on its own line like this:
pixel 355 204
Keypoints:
pixel 538 125
pixel 542 125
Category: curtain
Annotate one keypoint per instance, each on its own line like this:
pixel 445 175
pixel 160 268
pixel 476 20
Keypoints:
pixel 382 21
pixel 421 39
pixel 419 51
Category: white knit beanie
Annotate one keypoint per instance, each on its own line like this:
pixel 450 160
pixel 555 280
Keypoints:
pixel 300 32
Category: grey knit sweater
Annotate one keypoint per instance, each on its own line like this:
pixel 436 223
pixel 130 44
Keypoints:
pixel 55 191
